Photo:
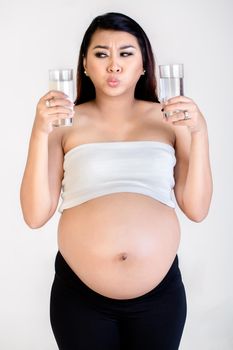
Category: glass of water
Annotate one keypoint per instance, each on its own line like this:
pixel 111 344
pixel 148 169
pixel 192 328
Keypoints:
pixel 171 81
pixel 62 80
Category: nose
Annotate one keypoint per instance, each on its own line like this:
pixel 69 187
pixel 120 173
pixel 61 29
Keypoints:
pixel 114 68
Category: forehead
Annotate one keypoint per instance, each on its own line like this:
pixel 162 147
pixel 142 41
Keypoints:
pixel 112 38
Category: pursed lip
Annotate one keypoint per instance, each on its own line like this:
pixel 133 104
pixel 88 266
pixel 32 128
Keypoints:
pixel 112 81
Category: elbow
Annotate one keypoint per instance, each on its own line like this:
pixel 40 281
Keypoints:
pixel 35 218
pixel 34 223
pixel 197 215
pixel 196 218
pixel 197 209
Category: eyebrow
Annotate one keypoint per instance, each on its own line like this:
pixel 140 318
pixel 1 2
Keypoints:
pixel 107 47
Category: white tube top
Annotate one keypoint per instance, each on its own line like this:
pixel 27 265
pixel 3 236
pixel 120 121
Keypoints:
pixel 95 169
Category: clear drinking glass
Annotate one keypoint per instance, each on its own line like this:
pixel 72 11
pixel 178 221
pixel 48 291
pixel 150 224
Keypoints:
pixel 171 81
pixel 62 80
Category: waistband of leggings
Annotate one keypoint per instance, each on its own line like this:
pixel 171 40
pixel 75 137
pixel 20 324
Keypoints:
pixel 65 274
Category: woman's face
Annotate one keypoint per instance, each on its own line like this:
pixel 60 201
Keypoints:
pixel 113 62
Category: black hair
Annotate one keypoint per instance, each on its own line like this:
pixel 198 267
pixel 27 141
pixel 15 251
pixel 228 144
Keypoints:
pixel 146 87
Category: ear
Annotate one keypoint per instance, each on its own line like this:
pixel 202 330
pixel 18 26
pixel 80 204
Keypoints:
pixel 84 63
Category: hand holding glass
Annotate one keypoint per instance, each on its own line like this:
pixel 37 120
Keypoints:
pixel 62 80
pixel 171 82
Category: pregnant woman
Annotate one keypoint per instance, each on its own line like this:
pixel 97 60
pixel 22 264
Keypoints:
pixel 117 281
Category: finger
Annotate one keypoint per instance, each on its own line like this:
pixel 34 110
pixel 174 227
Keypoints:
pixel 183 122
pixel 60 102
pixel 179 106
pixel 60 110
pixel 60 116
pixel 53 94
pixel 178 99
pixel 176 117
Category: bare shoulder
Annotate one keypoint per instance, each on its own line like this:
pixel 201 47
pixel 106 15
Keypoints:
pixel 179 134
pixel 84 114
pixel 154 122
pixel 150 108
pixel 147 124
pixel 84 108
pixel 82 128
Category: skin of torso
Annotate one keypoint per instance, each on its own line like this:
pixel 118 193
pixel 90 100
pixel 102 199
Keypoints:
pixel 121 245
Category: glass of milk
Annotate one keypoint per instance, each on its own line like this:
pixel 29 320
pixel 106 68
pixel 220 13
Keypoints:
pixel 62 80
pixel 171 81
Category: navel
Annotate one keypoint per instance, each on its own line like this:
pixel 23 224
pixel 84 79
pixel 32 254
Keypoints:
pixel 124 256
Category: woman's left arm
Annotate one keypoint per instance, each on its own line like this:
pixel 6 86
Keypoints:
pixel 193 188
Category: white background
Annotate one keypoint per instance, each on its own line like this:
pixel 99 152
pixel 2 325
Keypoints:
pixel 36 36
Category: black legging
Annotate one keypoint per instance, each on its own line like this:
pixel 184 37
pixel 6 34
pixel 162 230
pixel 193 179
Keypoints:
pixel 84 319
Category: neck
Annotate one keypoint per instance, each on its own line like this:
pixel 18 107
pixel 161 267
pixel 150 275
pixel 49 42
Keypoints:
pixel 115 110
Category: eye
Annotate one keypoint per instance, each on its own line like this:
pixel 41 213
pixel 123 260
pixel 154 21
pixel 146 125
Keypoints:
pixel 126 54
pixel 100 54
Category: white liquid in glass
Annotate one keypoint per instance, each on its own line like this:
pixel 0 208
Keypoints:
pixel 171 87
pixel 66 86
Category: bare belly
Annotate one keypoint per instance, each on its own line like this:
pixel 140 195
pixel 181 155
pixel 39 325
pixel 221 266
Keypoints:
pixel 120 245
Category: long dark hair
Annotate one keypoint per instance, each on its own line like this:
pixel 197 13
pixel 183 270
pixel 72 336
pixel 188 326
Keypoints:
pixel 146 88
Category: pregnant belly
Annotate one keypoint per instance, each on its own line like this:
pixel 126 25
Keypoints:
pixel 120 245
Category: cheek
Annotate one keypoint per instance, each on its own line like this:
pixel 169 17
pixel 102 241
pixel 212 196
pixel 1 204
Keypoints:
pixel 96 75
pixel 136 67
pixel 135 71
pixel 96 70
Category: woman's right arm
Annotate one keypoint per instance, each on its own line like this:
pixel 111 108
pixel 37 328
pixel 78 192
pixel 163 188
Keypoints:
pixel 41 183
